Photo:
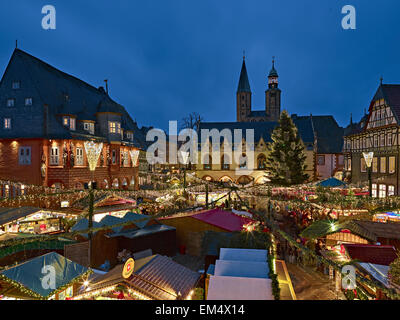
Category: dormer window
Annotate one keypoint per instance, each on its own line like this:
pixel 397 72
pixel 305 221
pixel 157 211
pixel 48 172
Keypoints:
pixel 89 126
pixel 10 102
pixel 7 123
pixel 114 127
pixel 129 136
pixel 16 85
pixel 69 122
pixel 28 101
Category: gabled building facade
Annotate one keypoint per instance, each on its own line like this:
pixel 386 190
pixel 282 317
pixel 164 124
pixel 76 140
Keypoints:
pixel 46 117
pixel 377 132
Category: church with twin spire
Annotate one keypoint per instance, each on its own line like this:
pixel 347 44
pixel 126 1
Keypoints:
pixel 272 98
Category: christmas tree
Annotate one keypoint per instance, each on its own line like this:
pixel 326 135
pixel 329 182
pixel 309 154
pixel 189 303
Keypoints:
pixel 286 157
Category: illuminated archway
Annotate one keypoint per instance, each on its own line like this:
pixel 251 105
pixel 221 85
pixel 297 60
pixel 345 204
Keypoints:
pixel 244 180
pixel 226 179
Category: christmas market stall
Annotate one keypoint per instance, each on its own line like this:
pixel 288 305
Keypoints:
pixel 190 226
pixel 30 220
pixel 136 233
pixel 354 231
pixel 48 277
pixel 153 277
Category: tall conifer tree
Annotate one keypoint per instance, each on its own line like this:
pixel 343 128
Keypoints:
pixel 286 157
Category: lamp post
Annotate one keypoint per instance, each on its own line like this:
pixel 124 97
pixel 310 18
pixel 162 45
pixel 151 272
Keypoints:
pixel 185 158
pixel 368 156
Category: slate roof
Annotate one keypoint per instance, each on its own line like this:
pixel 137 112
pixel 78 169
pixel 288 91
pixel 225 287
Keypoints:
pixel 391 93
pixel 244 85
pixel 328 134
pixel 63 93
pixel 383 255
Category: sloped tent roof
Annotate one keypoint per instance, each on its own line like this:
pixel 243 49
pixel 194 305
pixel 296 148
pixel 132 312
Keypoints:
pixel 375 254
pixel 237 288
pixel 331 183
pixel 379 272
pixel 223 219
pixel 29 274
pixel 235 254
pixel 11 214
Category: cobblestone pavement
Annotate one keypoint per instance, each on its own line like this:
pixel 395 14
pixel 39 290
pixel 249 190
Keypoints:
pixel 309 284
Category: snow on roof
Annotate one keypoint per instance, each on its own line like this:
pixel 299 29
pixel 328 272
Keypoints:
pixel 255 255
pixel 243 269
pixel 238 288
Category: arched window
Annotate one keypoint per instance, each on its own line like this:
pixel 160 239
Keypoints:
pixel 225 161
pixel 207 166
pixel 243 161
pixel 261 160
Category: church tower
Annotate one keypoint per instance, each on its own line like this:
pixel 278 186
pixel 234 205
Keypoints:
pixel 243 95
pixel 273 95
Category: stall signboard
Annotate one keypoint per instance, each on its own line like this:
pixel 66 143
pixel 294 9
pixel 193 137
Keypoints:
pixel 128 268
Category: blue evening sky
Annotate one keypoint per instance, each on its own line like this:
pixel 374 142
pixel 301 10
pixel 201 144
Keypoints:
pixel 167 58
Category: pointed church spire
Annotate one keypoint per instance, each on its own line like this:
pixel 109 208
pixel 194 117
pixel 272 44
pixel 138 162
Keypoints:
pixel 273 72
pixel 351 118
pixel 244 85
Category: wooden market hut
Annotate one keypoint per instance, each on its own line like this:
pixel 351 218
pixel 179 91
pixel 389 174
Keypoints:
pixel 154 277
pixel 355 231
pixel 139 233
pixel 191 226
pixel 24 281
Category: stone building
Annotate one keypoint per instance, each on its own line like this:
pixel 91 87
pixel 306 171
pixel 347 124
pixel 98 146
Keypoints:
pixel 47 116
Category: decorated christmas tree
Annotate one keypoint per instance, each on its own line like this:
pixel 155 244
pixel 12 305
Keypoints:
pixel 286 157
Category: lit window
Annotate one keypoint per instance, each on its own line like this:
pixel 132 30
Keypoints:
pixel 66 121
pixel 383 164
pixel 112 127
pixel 363 165
pixel 375 164
pixel 389 139
pixel 16 85
pixel 392 164
pixel 89 126
pixel 28 101
pixel 24 157
pixel 126 159
pixel 382 190
pixel 374 190
pixel 72 123
pixel 390 191
pixel 7 123
pixel 54 156
pixel 129 136
pixel 79 156
pixel 10 102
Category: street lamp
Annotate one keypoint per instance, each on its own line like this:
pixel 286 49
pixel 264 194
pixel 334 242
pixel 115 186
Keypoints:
pixel 185 158
pixel 368 156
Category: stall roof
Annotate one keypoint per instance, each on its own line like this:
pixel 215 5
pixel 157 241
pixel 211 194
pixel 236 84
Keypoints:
pixel 156 276
pixel 332 183
pixel 8 215
pixel 139 220
pixel 379 272
pixel 223 219
pixel 255 255
pixel 142 232
pixel 29 274
pixel 237 288
pixel 242 269
pixel 375 254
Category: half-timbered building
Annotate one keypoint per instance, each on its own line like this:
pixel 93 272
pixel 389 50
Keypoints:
pixel 377 132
